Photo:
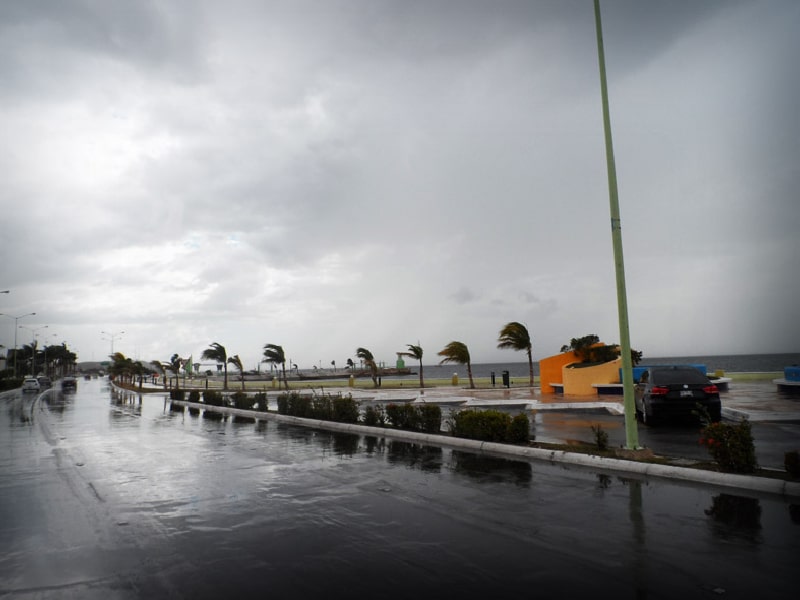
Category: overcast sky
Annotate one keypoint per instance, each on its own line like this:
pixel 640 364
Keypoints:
pixel 326 175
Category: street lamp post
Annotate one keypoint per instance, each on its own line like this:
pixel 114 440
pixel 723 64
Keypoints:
pixel 112 336
pixel 631 431
pixel 33 331
pixel 16 319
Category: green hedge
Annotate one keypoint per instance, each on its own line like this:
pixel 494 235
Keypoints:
pixel 414 417
pixel 10 383
pixel 213 398
pixel 243 401
pixel 490 426
pixel 325 407
pixel 261 402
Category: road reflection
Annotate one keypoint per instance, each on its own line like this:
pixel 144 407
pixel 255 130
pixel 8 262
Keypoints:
pixel 735 516
pixel 129 499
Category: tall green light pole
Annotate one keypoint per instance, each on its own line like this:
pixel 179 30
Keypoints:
pixel 631 431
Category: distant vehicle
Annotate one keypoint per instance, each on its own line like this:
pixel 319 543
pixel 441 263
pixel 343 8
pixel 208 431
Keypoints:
pixel 44 382
pixel 69 384
pixel 675 392
pixel 30 384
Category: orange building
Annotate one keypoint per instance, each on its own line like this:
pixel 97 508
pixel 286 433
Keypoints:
pixel 576 381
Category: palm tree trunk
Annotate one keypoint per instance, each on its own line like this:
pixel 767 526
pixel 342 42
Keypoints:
pixel 225 384
pixel 285 381
pixel 421 380
pixel 469 372
pixel 530 366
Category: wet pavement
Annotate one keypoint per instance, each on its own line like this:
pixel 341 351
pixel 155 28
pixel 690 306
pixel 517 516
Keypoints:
pixel 108 495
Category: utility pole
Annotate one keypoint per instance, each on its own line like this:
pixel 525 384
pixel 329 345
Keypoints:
pixel 631 430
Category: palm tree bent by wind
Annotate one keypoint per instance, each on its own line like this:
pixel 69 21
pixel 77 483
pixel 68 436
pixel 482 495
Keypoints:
pixel 369 360
pixel 516 337
pixel 416 352
pixel 218 353
pixel 274 354
pixel 174 366
pixel 457 352
pixel 237 362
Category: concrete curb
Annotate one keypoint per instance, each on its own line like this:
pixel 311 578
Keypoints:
pixel 787 489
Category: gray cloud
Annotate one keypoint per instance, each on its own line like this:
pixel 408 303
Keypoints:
pixel 328 175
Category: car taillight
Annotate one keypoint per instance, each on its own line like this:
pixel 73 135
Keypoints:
pixel 711 389
pixel 658 391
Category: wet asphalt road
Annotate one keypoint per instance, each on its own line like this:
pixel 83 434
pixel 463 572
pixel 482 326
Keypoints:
pixel 103 496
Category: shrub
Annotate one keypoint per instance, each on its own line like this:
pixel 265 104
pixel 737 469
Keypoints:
pixel 176 394
pixel 10 383
pixel 600 437
pixel 791 461
pixel 194 396
pixel 490 426
pixel 213 398
pixel 430 418
pixel 403 416
pixel 242 400
pixel 374 416
pixel 486 425
pixel 345 409
pixel 319 406
pixel 260 401
pixel 411 417
pixel 300 406
pixel 731 446
pixel 519 431
pixel 283 403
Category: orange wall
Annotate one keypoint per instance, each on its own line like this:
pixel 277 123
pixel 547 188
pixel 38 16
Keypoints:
pixel 550 370
pixel 578 382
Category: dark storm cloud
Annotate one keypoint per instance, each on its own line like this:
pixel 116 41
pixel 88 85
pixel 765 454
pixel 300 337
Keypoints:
pixel 313 167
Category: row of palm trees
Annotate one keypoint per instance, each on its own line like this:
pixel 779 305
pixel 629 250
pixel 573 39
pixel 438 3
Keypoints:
pixel 53 360
pixel 513 336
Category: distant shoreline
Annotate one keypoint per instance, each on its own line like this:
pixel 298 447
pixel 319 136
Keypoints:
pixel 483 383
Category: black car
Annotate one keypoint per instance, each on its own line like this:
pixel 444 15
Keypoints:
pixel 676 392
pixel 69 384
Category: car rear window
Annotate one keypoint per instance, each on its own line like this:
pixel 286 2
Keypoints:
pixel 673 376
